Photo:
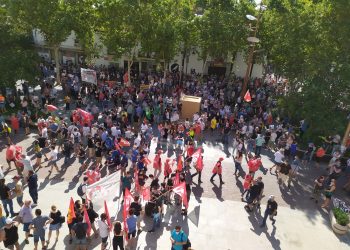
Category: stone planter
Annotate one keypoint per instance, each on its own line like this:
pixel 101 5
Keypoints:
pixel 337 228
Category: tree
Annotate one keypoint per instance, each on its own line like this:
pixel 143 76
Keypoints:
pixel 55 19
pixel 18 59
pixel 222 28
pixel 122 32
pixel 308 42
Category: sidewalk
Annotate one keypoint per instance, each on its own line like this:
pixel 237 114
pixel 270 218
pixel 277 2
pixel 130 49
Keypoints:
pixel 213 224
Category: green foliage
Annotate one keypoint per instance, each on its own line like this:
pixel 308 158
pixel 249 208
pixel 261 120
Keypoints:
pixel 341 217
pixel 223 27
pixel 308 42
pixel 18 59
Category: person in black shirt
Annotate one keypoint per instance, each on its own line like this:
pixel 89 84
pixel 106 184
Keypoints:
pixel 11 234
pixel 137 211
pixel 55 225
pixel 271 210
pixel 67 150
pixel 33 186
pixel 6 199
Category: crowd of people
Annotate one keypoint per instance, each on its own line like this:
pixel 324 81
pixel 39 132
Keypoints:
pixel 110 127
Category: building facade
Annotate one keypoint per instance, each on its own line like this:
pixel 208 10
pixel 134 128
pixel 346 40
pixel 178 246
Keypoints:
pixel 71 52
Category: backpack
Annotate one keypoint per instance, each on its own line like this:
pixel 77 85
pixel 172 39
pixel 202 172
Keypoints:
pixel 76 138
pixel 80 231
pixel 80 191
pixel 188 244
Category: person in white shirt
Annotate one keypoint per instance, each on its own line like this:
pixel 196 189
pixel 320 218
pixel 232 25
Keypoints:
pixel 272 142
pixel 114 130
pixel 279 157
pixel 53 159
pixel 44 132
pixel 144 127
pixel 27 165
pixel 103 228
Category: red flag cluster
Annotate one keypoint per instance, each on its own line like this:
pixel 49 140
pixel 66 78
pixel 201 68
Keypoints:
pixel 127 202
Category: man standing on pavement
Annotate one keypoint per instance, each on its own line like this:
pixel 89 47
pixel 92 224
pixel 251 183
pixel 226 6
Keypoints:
pixel 26 217
pixel 33 186
pixel 5 194
pixel 271 211
pixel 39 225
pixel 259 142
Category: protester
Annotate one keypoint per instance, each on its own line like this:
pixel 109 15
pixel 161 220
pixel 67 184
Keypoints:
pixel 39 225
pixel 55 224
pixel 270 211
pixel 217 170
pixel 26 217
pixel 178 238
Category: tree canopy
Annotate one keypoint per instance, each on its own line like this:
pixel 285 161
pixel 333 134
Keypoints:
pixel 18 58
pixel 308 42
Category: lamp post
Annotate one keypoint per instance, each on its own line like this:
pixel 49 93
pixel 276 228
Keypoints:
pixel 253 40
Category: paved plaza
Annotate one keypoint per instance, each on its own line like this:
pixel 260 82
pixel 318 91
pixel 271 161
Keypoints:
pixel 216 217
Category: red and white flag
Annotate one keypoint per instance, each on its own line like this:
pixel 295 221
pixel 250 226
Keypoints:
pixel 146 161
pixel 247 96
pixel 105 189
pixel 87 221
pixel 179 163
pixel 124 143
pixel 177 178
pixel 126 206
pixel 146 194
pixel 180 189
pixel 109 223
pixel 197 153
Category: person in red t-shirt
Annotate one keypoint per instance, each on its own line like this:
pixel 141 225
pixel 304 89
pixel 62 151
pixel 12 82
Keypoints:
pixel 217 170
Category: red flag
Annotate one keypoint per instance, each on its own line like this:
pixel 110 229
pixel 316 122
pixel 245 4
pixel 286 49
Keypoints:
pixel 180 189
pixel 197 153
pixel 177 178
pixel 124 143
pixel 87 221
pixel 117 147
pixel 247 97
pixel 179 163
pixel 51 108
pixel 146 194
pixel 146 161
pixel 127 201
pixel 71 212
pixel 108 217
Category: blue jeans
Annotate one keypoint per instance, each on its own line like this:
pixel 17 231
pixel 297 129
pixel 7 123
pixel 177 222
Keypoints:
pixel 266 214
pixel 258 150
pixel 34 194
pixel 156 221
pixel 5 203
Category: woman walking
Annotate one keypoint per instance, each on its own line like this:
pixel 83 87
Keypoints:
pixel 56 223
pixel 118 238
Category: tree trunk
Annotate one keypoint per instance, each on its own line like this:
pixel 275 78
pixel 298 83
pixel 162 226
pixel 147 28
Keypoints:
pixel 57 63
pixel 182 65
pixel 130 62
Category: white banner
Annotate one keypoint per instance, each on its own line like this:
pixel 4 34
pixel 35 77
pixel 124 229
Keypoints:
pixel 88 75
pixel 106 189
